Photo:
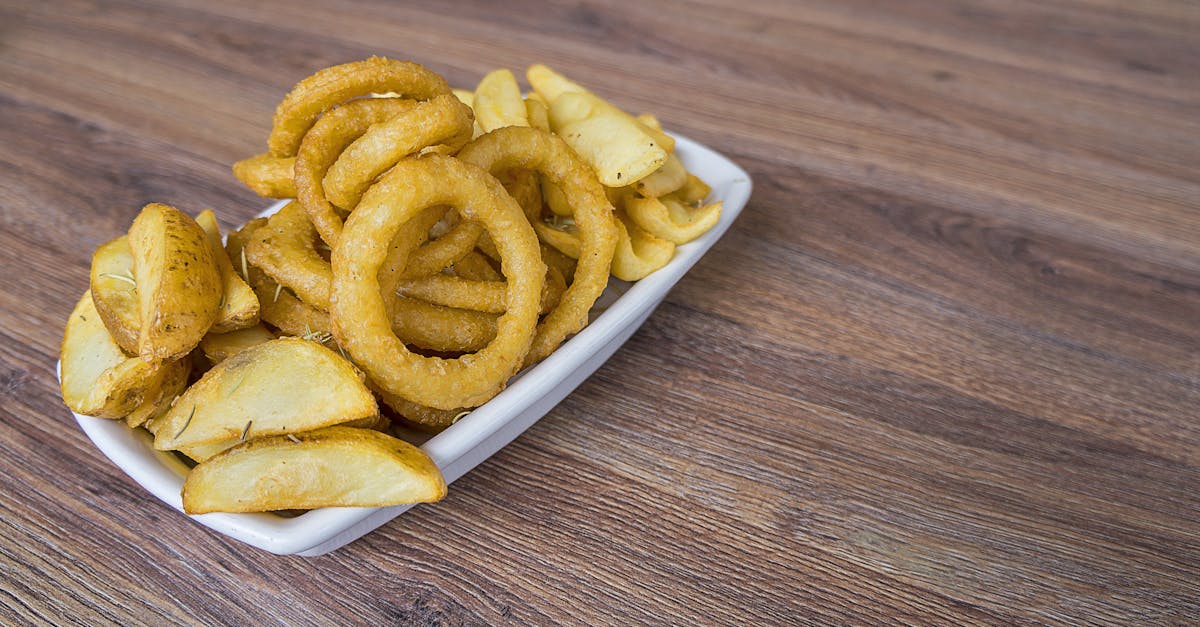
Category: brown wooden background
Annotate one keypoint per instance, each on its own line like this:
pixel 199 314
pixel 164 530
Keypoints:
pixel 945 367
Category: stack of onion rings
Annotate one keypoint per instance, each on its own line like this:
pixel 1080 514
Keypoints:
pixel 436 279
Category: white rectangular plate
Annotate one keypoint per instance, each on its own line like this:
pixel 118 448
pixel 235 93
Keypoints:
pixel 478 435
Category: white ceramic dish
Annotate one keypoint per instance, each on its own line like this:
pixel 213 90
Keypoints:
pixel 478 435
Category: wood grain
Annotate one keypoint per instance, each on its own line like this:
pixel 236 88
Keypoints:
pixel 945 368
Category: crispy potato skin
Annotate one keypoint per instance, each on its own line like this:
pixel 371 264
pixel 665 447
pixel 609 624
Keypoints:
pixel 239 305
pixel 282 386
pixel 332 467
pixel 98 378
pixel 179 284
pixel 115 293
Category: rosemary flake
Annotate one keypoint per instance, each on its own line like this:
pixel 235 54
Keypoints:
pixel 235 387
pixel 246 431
pixel 121 277
pixel 186 424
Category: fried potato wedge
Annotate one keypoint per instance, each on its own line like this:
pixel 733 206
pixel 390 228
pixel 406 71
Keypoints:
pixel 334 467
pixel 98 378
pixel 538 114
pixel 281 386
pixel 669 177
pixel 550 85
pixel 204 452
pixel 498 101
pixel 173 381
pixel 239 305
pixel 613 144
pixel 114 291
pixel 219 346
pixel 179 284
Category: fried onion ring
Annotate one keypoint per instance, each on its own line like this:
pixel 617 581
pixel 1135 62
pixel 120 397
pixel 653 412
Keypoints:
pixel 440 120
pixel 421 417
pixel 278 307
pixel 268 175
pixel 475 266
pixel 437 328
pixel 357 311
pixel 486 296
pixel 670 219
pixel 332 86
pixel 320 148
pixel 444 251
pixel 286 250
pixel 531 149
pixel 638 252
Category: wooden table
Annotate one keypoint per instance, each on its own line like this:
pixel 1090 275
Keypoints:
pixel 944 368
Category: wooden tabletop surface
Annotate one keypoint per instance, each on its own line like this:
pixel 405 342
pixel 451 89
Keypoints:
pixel 945 367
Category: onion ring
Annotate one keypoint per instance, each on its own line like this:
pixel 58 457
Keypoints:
pixel 638 252
pixel 357 310
pixel 485 296
pixel 268 175
pixel 334 85
pixel 444 251
pixel 443 329
pixel 475 266
pixel 320 148
pixel 421 417
pixel 278 307
pixel 531 149
pixel 670 219
pixel 440 120
pixel 286 250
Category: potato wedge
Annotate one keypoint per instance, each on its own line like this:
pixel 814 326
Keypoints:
pixel 239 305
pixel 204 452
pixel 114 291
pixel 172 382
pixel 498 101
pixel 281 386
pixel 218 346
pixel 98 378
pixel 538 114
pixel 334 467
pixel 550 85
pixel 179 284
pixel 618 152
pixel 668 178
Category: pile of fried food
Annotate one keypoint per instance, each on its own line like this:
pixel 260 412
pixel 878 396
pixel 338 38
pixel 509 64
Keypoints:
pixel 438 242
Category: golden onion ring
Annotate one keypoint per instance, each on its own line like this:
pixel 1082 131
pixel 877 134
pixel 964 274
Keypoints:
pixel 442 329
pixel 268 175
pixel 332 86
pixel 440 120
pixel 530 149
pixel 278 307
pixel 357 309
pixel 638 252
pixel 321 147
pixel 285 248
